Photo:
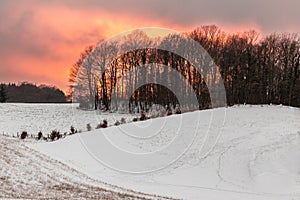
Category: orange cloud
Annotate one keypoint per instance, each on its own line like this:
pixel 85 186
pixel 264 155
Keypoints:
pixel 63 37
pixel 53 36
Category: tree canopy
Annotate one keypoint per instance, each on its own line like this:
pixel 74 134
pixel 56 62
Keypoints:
pixel 254 69
pixel 31 93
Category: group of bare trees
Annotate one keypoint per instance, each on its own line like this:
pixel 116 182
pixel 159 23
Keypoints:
pixel 255 70
pixel 138 71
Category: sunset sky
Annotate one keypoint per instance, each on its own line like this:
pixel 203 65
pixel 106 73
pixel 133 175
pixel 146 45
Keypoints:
pixel 41 39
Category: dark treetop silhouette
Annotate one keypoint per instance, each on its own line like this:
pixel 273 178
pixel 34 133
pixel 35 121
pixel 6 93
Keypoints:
pixel 254 69
pixel 30 93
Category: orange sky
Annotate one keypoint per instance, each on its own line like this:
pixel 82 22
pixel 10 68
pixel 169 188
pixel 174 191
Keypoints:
pixel 57 40
pixel 40 40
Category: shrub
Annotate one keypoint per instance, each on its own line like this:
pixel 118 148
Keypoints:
pixel 135 119
pixel 169 111
pixel 23 135
pixel 117 123
pixel 103 124
pixel 88 127
pixel 143 116
pixel 55 135
pixel 123 121
pixel 177 111
pixel 58 136
pixel 72 130
pixel 40 135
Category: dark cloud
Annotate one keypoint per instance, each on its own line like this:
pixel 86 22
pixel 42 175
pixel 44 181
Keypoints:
pixel 20 37
pixel 270 15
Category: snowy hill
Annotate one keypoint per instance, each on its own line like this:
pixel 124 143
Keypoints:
pixel 28 174
pixel 246 152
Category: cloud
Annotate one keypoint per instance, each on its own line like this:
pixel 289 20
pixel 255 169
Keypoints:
pixel 46 36
pixel 270 15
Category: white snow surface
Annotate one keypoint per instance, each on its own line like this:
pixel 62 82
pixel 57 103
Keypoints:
pixel 256 156
pixel 29 174
pixel 18 117
pixel 241 152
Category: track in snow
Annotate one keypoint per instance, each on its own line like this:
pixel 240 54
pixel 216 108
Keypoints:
pixel 28 174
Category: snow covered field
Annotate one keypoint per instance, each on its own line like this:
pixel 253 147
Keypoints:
pixel 47 117
pixel 29 174
pixel 242 152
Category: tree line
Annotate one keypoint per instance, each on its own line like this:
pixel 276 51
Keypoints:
pixel 30 93
pixel 254 70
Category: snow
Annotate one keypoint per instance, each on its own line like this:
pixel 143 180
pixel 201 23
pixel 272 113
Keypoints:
pixel 241 152
pixel 28 174
pixel 18 117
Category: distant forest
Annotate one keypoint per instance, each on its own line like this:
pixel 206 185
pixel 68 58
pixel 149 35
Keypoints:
pixel 30 93
pixel 254 69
